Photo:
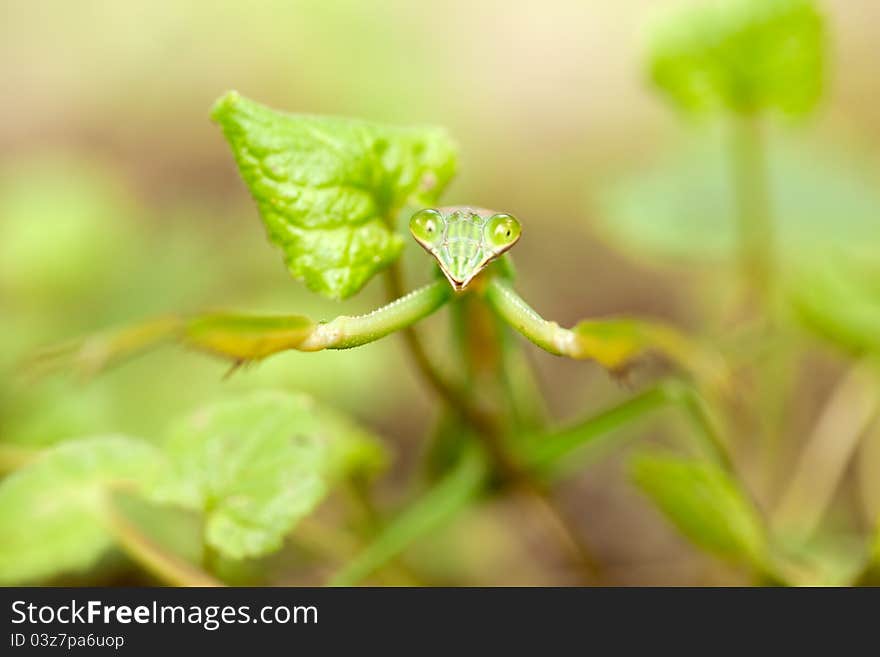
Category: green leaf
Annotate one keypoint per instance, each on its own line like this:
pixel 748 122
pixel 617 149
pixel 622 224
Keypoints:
pixel 684 208
pixel 821 560
pixel 742 56
pixel 839 300
pixel 54 511
pixel 705 504
pixel 329 188
pixel 257 464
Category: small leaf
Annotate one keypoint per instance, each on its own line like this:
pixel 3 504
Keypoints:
pixel 328 188
pixel 53 512
pixel 741 55
pixel 256 465
pixel 705 504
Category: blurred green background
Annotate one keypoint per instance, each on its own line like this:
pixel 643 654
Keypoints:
pixel 119 201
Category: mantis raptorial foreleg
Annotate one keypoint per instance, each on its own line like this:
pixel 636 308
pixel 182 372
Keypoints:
pixel 246 338
pixel 613 343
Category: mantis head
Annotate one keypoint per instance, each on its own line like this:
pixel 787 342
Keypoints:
pixel 464 240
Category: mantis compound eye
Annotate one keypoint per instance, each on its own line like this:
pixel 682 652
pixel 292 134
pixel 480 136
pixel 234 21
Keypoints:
pixel 502 232
pixel 427 227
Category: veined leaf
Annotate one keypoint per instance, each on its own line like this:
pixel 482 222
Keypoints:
pixel 256 465
pixel 53 512
pixel 705 504
pixel 328 188
pixel 741 55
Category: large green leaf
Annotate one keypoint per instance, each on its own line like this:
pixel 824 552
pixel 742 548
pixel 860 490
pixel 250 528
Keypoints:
pixel 54 511
pixel 839 299
pixel 705 504
pixel 741 55
pixel 328 188
pixel 684 208
pixel 257 464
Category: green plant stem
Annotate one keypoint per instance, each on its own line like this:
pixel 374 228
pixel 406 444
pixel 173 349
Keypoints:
pixel 325 541
pixel 155 559
pixel 754 222
pixel 455 396
pixel 492 433
pixel 544 452
pixel 210 554
pixel 427 513
pixel 523 395
pixel 852 409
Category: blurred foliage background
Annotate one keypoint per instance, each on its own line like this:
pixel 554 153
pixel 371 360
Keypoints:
pixel 119 201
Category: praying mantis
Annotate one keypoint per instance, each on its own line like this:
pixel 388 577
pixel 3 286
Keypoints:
pixel 469 246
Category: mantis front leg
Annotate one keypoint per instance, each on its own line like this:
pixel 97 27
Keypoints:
pixel 613 343
pixel 247 338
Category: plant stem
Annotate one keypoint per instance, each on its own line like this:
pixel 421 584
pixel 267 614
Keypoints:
pixel 756 239
pixel 852 409
pixel 545 451
pixel 492 433
pixel 435 507
pixel 155 559
pixel 452 394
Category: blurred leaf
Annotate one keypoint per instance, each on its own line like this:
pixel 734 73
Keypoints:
pixel 53 512
pixel 328 188
pixel 741 55
pixel 839 299
pixel 424 515
pixel 705 504
pixel 257 464
pixel 683 209
pixel 821 560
